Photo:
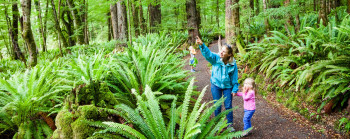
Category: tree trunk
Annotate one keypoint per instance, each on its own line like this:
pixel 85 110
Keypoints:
pixel 57 26
pixel 45 23
pixel 142 20
pixel 198 12
pixel 229 25
pixel 86 23
pixel 348 6
pixel 68 25
pixel 232 21
pixel 13 33
pixel 122 21
pixel 315 5
pixel 217 13
pixel 251 5
pixel 27 32
pixel 154 15
pixel 267 25
pixel 109 26
pixel 41 27
pixel 192 21
pixel 322 13
pixel 129 22
pixel 297 19
pixel 114 20
pixel 135 15
pixel 257 11
pixel 77 22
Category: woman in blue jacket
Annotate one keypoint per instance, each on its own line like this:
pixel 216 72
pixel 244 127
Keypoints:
pixel 224 76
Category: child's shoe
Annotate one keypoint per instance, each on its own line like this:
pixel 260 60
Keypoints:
pixel 245 133
pixel 192 70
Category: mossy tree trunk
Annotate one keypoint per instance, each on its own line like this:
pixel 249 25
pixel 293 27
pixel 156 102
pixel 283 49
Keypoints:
pixel 27 32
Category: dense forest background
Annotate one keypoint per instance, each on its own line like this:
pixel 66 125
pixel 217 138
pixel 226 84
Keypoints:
pixel 74 63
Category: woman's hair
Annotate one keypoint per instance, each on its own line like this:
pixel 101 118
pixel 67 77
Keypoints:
pixel 229 51
pixel 249 82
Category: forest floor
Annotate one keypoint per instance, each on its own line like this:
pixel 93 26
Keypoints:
pixel 270 120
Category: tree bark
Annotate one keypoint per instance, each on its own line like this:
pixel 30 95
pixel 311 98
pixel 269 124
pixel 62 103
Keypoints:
pixel 13 32
pixel 57 26
pixel 68 25
pixel 122 21
pixel 135 15
pixel 348 6
pixel 192 21
pixel 251 4
pixel 109 26
pixel 41 27
pixel 154 15
pixel 114 20
pixel 142 23
pixel 232 29
pixel 323 12
pixel 27 32
pixel 315 5
pixel 86 23
pixel 45 25
pixel 77 22
pixel 198 12
pixel 217 13
pixel 267 25
pixel 257 11
pixel 297 19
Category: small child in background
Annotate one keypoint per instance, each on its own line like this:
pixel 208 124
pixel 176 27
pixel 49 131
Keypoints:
pixel 193 59
pixel 248 95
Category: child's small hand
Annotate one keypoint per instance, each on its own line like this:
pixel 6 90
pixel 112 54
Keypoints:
pixel 234 94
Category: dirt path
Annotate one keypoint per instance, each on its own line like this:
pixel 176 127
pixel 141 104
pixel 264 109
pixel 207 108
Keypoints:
pixel 268 121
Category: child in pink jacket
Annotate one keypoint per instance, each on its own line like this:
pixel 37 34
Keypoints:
pixel 248 95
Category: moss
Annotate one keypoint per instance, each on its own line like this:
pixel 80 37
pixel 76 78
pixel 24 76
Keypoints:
pixel 81 129
pixel 63 120
pixel 106 97
pixel 88 112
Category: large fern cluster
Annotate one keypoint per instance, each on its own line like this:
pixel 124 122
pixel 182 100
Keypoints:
pixel 24 95
pixel 148 120
pixel 314 60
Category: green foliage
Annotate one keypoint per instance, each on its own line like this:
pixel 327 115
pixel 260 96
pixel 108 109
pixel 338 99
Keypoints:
pixel 24 95
pixel 313 61
pixel 148 120
pixel 154 64
pixel 344 123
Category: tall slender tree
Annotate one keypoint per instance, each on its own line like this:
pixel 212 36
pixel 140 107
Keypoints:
pixel 192 21
pixel 122 21
pixel 135 15
pixel 58 27
pixel 13 32
pixel 143 25
pixel 154 13
pixel 231 21
pixel 27 32
pixel 266 21
pixel 323 12
pixel 217 13
pixel 114 20
pixel 348 6
pixel 257 6
pixel 41 27
pixel 78 25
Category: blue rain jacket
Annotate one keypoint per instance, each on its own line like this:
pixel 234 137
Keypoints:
pixel 223 76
